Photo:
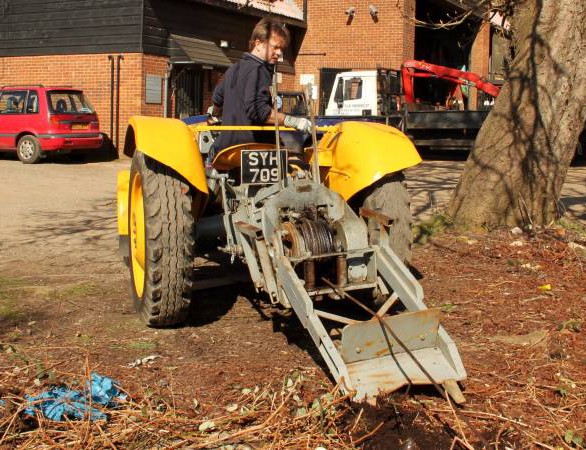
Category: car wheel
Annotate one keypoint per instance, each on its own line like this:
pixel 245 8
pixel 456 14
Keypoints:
pixel 28 150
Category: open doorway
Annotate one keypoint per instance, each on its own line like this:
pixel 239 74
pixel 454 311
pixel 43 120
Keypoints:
pixel 187 85
pixel 449 47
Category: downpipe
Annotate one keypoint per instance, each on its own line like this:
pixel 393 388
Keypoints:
pixel 111 59
pixel 166 89
pixel 118 59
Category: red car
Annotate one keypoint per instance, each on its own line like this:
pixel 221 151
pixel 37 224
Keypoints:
pixel 35 120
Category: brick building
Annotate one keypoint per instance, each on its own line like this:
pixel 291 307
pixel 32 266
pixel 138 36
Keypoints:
pixel 151 57
pixel 363 34
pixel 164 57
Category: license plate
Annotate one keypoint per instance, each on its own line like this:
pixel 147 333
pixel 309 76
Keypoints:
pixel 80 126
pixel 261 166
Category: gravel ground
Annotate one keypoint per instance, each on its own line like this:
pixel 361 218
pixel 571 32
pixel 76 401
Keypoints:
pixel 34 196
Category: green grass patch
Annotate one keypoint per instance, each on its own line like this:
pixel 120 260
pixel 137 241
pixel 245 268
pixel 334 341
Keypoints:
pixel 8 305
pixel 8 286
pixel 423 231
pixel 78 290
pixel 142 345
pixel 138 345
pixel 448 307
pixel 572 225
pixel 84 338
pixel 9 311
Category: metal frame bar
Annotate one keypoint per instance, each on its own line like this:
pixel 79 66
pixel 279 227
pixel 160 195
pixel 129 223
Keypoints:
pixel 334 317
pixel 251 128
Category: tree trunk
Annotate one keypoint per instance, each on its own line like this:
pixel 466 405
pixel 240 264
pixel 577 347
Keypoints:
pixel 514 174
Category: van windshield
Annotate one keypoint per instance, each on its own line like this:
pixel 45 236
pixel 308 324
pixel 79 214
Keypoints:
pixel 69 102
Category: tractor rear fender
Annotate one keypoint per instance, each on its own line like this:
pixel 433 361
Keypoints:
pixel 354 155
pixel 170 142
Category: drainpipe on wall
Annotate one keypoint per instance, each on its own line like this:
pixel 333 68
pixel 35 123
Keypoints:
pixel 111 59
pixel 118 59
pixel 166 89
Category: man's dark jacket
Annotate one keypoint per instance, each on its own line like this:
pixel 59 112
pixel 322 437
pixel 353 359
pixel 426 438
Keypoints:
pixel 244 94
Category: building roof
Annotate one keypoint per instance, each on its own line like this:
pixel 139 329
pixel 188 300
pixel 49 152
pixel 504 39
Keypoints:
pixel 202 51
pixel 286 8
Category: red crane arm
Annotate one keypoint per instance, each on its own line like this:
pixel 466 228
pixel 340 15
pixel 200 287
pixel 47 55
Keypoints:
pixel 412 69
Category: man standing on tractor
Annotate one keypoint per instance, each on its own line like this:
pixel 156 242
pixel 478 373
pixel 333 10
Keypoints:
pixel 244 96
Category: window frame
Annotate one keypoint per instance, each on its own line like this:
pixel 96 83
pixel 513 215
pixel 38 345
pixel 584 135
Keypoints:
pixel 29 94
pixel 348 85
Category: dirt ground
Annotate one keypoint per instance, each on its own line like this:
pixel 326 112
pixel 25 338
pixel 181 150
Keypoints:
pixel 515 304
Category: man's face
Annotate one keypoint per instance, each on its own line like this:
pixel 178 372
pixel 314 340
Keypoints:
pixel 270 50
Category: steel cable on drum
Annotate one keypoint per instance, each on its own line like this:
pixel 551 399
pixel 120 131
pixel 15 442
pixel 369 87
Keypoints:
pixel 317 235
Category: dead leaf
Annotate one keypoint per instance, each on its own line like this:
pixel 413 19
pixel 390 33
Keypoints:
pixel 523 339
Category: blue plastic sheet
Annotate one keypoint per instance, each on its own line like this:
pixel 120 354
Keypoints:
pixel 60 403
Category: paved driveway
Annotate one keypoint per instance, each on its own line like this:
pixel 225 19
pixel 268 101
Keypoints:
pixel 432 182
pixel 36 197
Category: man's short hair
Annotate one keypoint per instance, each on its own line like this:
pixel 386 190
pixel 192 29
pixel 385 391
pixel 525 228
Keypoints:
pixel 263 29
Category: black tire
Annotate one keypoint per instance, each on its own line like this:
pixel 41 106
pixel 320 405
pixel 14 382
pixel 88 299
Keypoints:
pixel 164 296
pixel 28 150
pixel 390 197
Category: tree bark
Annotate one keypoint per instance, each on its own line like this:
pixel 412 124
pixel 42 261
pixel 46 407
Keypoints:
pixel 515 172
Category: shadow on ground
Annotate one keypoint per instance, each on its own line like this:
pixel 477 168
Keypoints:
pixel 79 227
pixel 105 153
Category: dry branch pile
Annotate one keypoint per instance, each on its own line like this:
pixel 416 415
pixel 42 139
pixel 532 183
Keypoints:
pixel 259 417
pixel 514 302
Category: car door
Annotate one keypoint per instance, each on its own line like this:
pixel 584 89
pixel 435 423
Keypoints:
pixel 12 106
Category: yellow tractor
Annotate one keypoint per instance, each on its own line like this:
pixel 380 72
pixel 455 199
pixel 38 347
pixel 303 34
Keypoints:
pixel 325 232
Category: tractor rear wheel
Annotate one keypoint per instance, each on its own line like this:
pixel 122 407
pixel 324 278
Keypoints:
pixel 390 197
pixel 162 231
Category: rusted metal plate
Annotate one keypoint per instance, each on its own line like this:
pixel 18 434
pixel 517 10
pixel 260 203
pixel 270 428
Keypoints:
pixel 380 218
pixel 248 229
pixel 389 373
pixel 367 340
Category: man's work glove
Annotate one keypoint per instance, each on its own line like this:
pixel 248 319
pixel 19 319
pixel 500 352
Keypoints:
pixel 213 115
pixel 299 123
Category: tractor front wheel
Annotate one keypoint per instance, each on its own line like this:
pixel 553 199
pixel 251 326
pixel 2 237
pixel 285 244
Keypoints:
pixel 390 197
pixel 162 230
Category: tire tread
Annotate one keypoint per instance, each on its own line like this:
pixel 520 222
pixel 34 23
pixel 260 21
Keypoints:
pixel 390 197
pixel 170 231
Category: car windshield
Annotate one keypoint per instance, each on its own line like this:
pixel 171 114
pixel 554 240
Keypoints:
pixel 69 102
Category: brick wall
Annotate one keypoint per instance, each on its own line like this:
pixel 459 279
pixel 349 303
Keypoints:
pixel 91 73
pixel 130 93
pixel 333 41
pixel 480 59
pixel 210 79
pixel 153 65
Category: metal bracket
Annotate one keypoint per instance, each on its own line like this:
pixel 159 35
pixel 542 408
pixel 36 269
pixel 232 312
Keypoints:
pixel 383 221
